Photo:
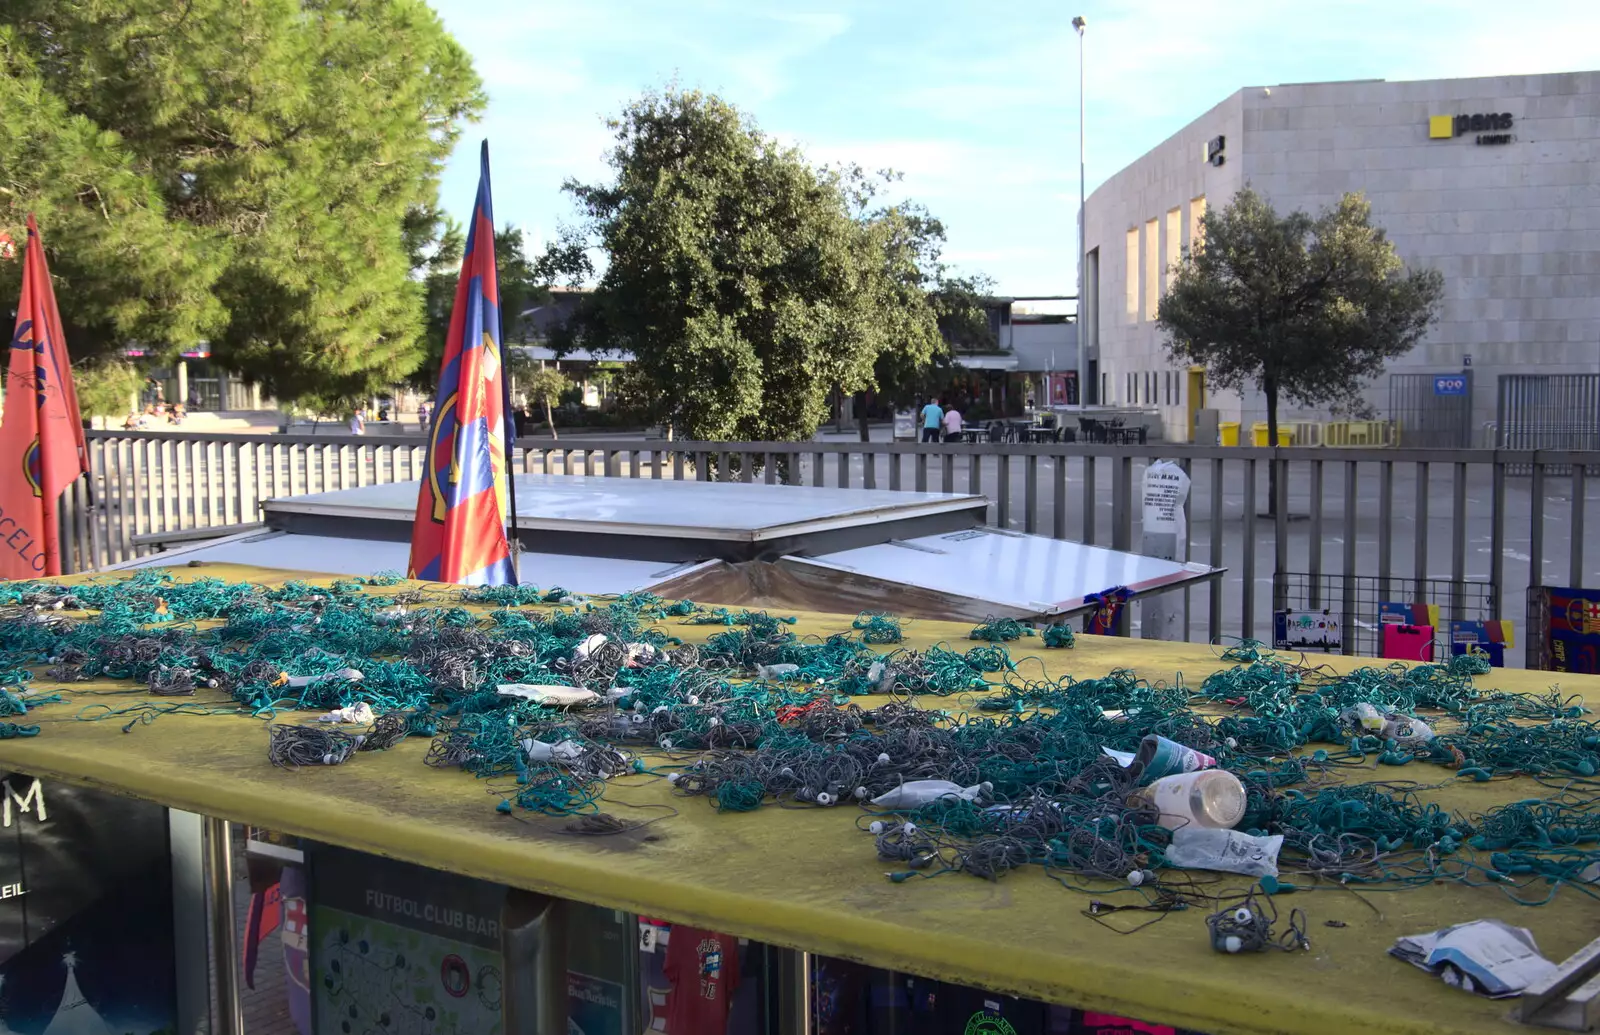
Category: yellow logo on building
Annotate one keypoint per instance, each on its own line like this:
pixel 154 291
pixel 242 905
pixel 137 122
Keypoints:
pixel 1445 127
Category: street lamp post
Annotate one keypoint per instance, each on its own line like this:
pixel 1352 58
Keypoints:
pixel 1079 23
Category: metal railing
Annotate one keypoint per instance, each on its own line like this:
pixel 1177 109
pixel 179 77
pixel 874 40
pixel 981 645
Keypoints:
pixel 1462 515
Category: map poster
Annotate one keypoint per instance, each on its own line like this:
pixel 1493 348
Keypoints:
pixel 401 950
pixel 86 923
pixel 1573 640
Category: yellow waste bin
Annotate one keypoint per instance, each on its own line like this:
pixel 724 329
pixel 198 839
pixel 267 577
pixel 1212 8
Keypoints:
pixel 1228 432
pixel 1258 435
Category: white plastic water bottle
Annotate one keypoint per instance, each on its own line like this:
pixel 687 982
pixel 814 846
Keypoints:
pixel 1208 798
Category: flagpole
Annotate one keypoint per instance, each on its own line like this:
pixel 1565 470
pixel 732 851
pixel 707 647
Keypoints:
pixel 510 430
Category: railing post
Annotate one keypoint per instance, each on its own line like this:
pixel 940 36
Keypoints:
pixel 1214 558
pixel 1003 491
pixel 1030 493
pixel 1089 489
pixel 1578 535
pixel 1497 539
pixel 1122 490
pixel 1347 606
pixel 1188 546
pixel 1458 541
pixel 181 451
pixel 1420 532
pixel 1058 512
pixel 1314 551
pixel 142 504
pixel 1536 525
pixel 1386 525
pixel 1279 489
pixel 1247 620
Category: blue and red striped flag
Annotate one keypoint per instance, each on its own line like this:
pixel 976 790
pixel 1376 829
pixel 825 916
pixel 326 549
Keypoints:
pixel 460 529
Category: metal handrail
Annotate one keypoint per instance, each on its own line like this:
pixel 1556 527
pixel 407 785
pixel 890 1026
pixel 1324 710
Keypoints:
pixel 1369 505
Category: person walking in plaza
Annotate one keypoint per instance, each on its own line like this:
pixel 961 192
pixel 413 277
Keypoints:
pixel 358 422
pixel 952 424
pixel 932 414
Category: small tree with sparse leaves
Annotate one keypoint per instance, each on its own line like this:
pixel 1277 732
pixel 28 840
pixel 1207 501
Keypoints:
pixel 545 388
pixel 1308 308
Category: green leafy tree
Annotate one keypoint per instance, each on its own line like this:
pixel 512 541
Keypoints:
pixel 1307 307
pixel 106 387
pixel 958 304
pixel 746 283
pixel 261 175
pixel 544 388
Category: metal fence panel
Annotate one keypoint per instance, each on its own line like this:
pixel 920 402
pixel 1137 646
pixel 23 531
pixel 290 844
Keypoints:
pixel 1434 410
pixel 1548 411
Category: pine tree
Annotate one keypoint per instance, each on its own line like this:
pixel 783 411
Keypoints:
pixel 260 175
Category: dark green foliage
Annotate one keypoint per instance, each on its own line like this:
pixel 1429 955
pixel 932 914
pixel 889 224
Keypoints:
pixel 261 175
pixel 747 283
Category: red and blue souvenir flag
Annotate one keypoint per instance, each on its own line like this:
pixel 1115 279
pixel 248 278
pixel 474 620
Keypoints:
pixel 41 437
pixel 460 530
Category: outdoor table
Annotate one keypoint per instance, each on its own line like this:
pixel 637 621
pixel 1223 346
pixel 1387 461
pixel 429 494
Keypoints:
pixel 809 879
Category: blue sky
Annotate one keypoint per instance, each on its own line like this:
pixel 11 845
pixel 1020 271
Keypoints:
pixel 976 103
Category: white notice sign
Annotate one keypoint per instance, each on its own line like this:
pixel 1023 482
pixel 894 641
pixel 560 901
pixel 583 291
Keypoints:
pixel 1166 534
pixel 1166 490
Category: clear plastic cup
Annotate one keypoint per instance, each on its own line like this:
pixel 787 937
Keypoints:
pixel 1208 798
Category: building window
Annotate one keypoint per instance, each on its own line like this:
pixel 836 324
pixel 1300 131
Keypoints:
pixel 1197 212
pixel 1152 268
pixel 1131 274
pixel 1174 245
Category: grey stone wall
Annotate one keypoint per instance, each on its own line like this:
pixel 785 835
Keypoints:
pixel 1514 227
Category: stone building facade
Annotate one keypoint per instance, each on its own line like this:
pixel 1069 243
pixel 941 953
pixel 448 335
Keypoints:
pixel 1495 182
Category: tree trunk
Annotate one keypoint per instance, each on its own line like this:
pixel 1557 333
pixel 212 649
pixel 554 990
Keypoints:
pixel 1269 385
pixel 861 415
pixel 550 418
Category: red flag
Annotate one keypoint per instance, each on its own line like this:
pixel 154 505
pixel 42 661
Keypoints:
pixel 462 504
pixel 266 913
pixel 41 437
